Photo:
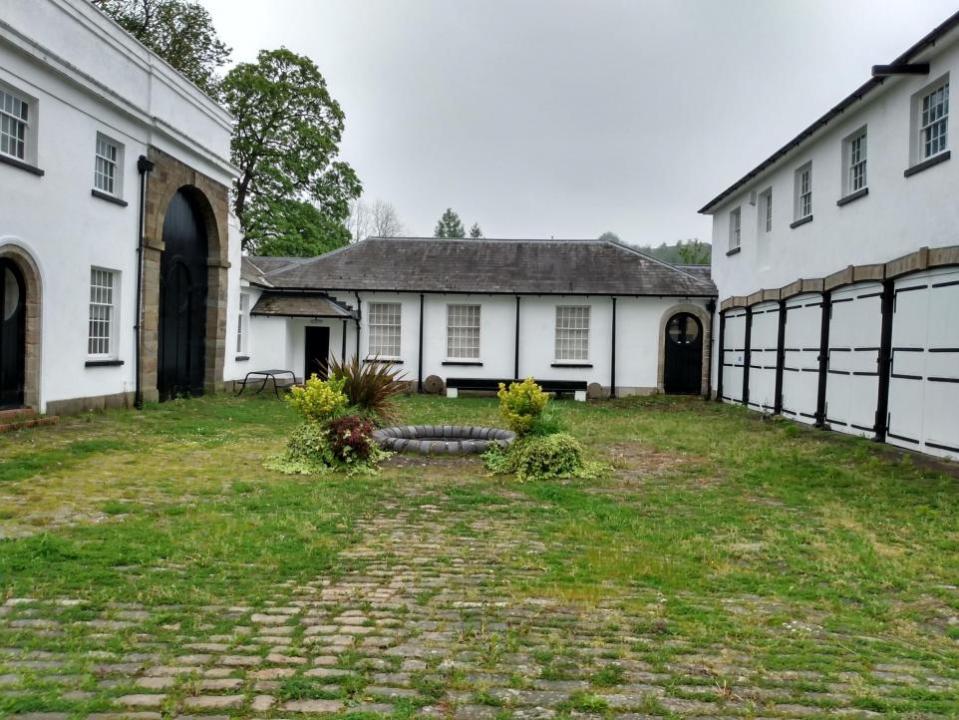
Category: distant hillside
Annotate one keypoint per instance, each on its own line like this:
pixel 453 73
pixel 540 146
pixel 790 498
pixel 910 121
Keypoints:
pixel 684 252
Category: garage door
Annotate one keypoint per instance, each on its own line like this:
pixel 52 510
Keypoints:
pixel 924 374
pixel 734 350
pixel 852 386
pixel 801 357
pixel 763 351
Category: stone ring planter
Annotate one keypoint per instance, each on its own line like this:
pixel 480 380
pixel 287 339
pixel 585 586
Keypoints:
pixel 442 439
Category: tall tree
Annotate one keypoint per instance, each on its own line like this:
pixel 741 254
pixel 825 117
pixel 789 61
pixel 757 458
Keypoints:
pixel 449 226
pixel 286 140
pixel 292 228
pixel 475 231
pixel 179 31
pixel 610 237
pixel 385 221
pixel 694 252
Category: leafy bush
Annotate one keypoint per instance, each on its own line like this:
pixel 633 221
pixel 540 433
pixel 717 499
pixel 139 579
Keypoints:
pixel 521 404
pixel 547 423
pixel 349 438
pixel 318 400
pixel 370 387
pixel 559 455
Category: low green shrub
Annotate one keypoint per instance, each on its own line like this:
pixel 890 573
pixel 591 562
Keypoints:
pixel 370 387
pixel 521 404
pixel 548 457
pixel 547 423
pixel 317 448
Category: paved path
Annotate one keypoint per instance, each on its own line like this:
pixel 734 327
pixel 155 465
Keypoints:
pixel 431 619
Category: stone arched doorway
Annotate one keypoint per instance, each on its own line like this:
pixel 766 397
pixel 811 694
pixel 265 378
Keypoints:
pixel 185 267
pixel 19 329
pixel 685 339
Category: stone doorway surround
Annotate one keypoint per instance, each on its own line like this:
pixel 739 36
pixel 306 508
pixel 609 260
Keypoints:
pixel 211 203
pixel 706 319
pixel 11 250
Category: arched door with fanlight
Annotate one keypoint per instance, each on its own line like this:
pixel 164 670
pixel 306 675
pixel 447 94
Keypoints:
pixel 683 361
pixel 183 300
pixel 12 335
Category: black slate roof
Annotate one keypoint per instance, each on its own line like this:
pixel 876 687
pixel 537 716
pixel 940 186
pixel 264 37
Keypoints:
pixel 575 267
pixel 300 305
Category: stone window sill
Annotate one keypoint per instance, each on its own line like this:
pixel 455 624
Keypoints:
pixel 733 251
pixel 851 197
pixel 242 358
pixel 20 165
pixel 800 221
pixel 561 364
pixel 384 361
pixel 108 198
pixel 103 363
pixel 463 363
pixel 926 164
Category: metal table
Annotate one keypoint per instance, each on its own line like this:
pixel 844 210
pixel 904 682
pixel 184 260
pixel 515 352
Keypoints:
pixel 267 376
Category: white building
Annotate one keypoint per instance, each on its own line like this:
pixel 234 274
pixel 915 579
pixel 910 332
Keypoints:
pixel 104 147
pixel 837 263
pixel 475 312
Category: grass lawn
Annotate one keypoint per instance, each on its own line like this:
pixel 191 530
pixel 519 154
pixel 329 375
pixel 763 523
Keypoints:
pixel 726 565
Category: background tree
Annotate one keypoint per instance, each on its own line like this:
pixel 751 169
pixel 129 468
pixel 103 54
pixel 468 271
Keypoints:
pixel 286 140
pixel 385 221
pixel 475 231
pixel 694 252
pixel 449 226
pixel 179 31
pixel 359 221
pixel 610 237
pixel 292 228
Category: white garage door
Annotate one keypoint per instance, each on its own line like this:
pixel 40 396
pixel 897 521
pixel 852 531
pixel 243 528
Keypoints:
pixel 852 386
pixel 924 377
pixel 801 357
pixel 763 351
pixel 734 350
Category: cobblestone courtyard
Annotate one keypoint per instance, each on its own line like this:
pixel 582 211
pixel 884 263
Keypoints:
pixel 439 610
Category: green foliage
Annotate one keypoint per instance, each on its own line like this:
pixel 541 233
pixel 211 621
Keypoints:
pixel 610 237
pixel 350 438
pixel 546 457
pixel 286 140
pixel 292 228
pixel 684 252
pixel 371 387
pixel 319 401
pixel 449 226
pixel 311 450
pixel 547 422
pixel 179 31
pixel 521 403
pixel 476 231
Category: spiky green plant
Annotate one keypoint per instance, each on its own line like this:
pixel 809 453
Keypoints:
pixel 371 386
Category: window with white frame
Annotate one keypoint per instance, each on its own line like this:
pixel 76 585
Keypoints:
pixel 106 174
pixel 933 121
pixel 463 332
pixel 14 125
pixel 766 210
pixel 804 191
pixel 384 327
pixel 243 325
pixel 572 332
pixel 856 162
pixel 735 228
pixel 103 321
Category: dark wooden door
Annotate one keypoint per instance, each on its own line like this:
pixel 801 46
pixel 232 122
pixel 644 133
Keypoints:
pixel 683 370
pixel 13 300
pixel 317 351
pixel 183 291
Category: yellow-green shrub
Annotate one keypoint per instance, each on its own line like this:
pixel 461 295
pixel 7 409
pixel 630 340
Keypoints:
pixel 521 403
pixel 319 400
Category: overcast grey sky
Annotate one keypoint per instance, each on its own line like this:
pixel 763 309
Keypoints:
pixel 545 118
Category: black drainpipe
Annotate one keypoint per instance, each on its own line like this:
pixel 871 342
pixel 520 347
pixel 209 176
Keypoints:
pixel 359 314
pixel 823 358
pixel 516 344
pixel 711 309
pixel 419 355
pixel 144 166
pixel 780 359
pixel 722 356
pixel 747 355
pixel 343 344
pixel 885 359
pixel 612 356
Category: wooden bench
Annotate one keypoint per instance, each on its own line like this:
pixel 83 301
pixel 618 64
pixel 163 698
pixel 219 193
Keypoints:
pixel 559 387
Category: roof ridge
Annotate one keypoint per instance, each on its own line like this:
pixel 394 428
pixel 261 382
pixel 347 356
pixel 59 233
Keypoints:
pixel 638 251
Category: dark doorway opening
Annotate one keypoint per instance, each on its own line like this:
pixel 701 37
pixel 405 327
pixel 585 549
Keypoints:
pixel 183 294
pixel 317 352
pixel 683 371
pixel 13 335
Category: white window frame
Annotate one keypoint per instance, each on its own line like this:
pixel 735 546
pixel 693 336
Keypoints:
pixel 9 98
pixel 103 309
pixel 460 329
pixel 934 120
pixel 572 327
pixel 766 210
pixel 243 325
pixel 104 143
pixel 855 155
pixel 735 228
pixel 384 321
pixel 803 196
